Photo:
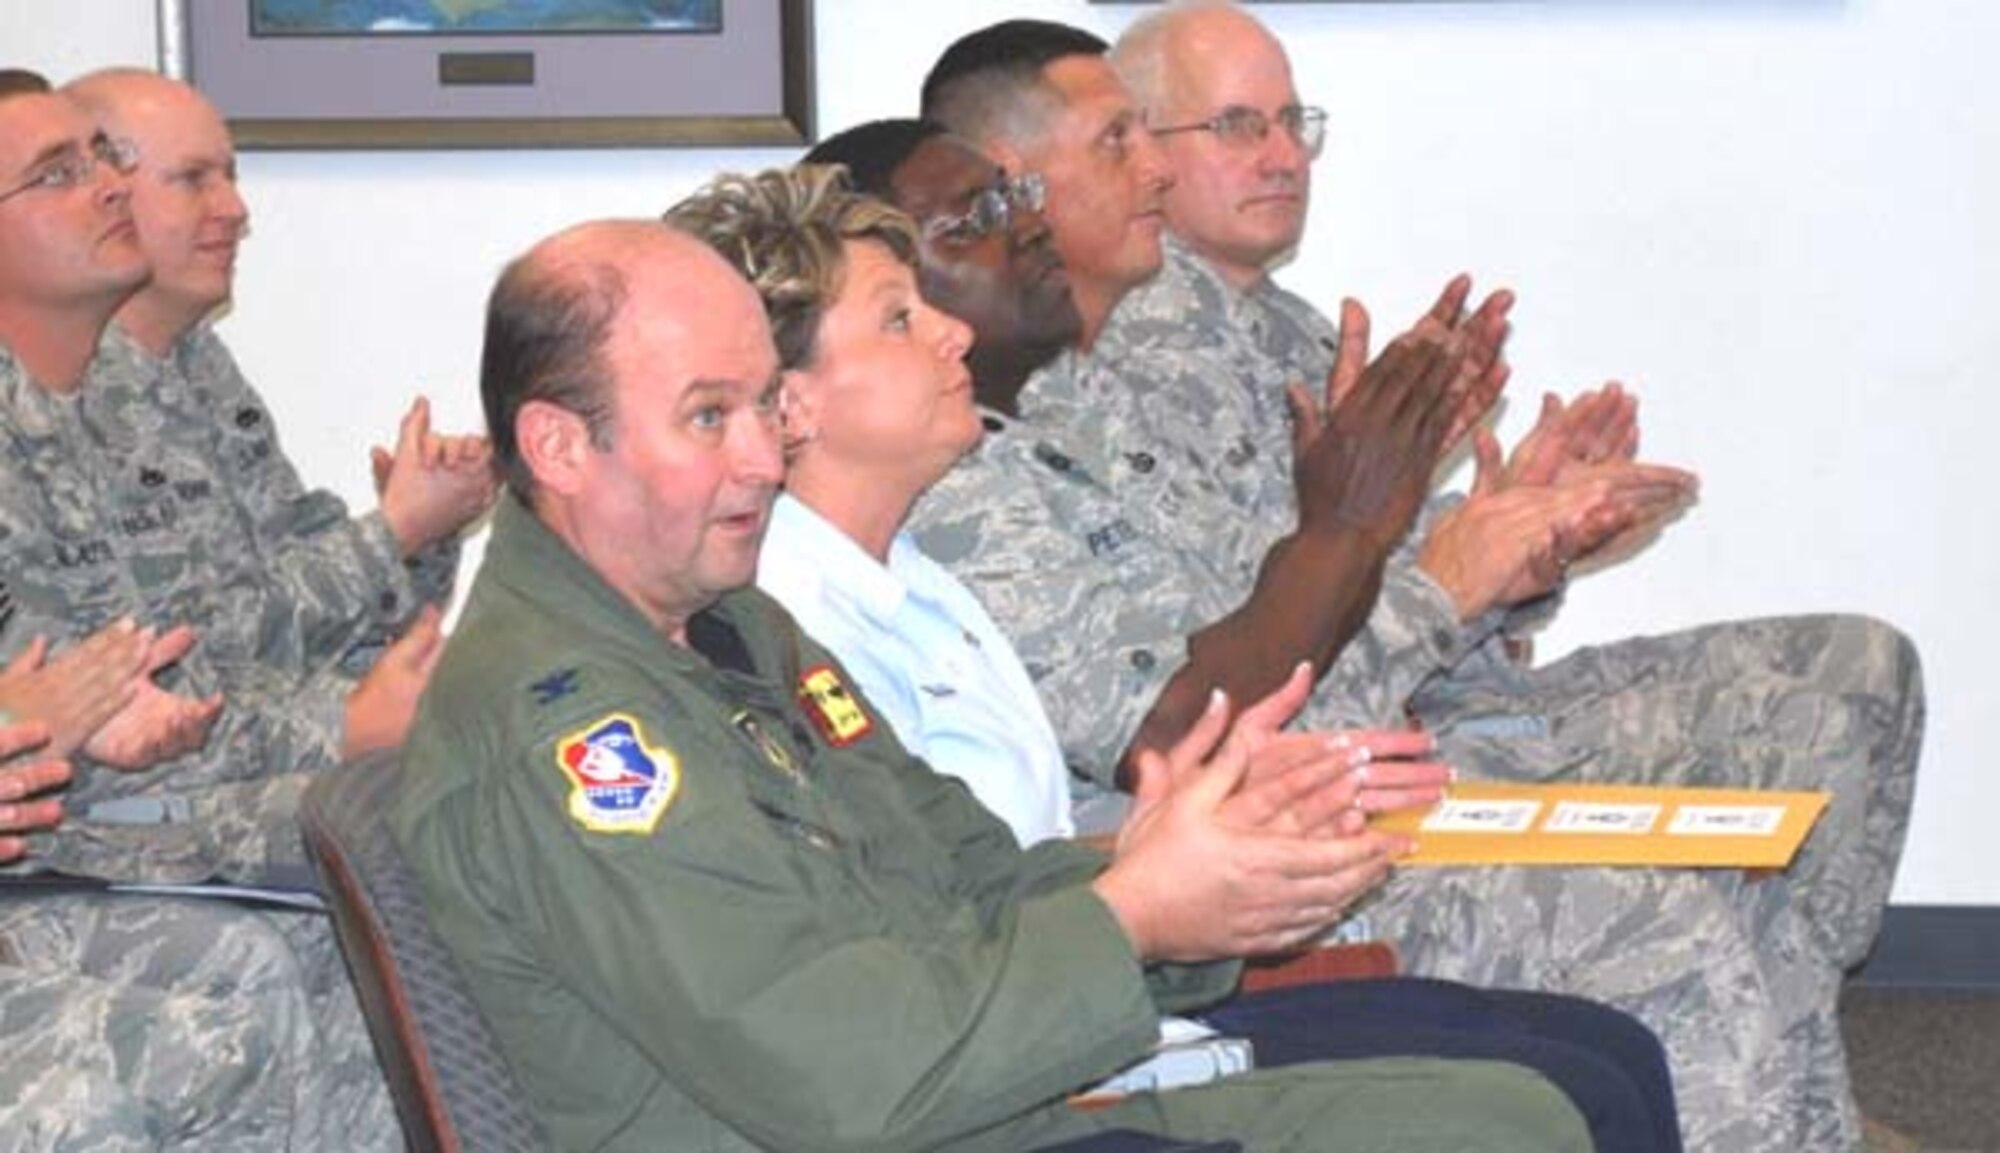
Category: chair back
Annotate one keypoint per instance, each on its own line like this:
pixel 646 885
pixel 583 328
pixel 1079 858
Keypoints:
pixel 452 1086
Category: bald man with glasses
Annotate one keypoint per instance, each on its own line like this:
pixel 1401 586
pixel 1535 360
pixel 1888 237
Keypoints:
pixel 1833 702
pixel 127 1021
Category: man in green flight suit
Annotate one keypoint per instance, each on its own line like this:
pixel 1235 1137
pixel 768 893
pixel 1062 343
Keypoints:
pixel 708 902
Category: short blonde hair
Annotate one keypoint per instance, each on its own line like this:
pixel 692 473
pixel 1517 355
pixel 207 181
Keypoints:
pixel 783 229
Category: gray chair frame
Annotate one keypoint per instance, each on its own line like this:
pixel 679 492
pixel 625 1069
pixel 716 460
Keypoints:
pixel 452 1087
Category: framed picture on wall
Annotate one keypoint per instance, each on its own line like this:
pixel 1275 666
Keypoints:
pixel 498 74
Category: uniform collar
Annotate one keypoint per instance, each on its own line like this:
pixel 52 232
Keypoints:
pixel 538 566
pixel 841 563
pixel 42 412
pixel 1241 308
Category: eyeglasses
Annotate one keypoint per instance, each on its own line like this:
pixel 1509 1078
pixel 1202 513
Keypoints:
pixel 1240 127
pixel 992 209
pixel 74 169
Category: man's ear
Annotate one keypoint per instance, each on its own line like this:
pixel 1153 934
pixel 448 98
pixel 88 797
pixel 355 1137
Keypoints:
pixel 554 444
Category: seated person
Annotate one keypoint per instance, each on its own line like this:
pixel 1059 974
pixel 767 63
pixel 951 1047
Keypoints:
pixel 145 480
pixel 878 404
pixel 1823 701
pixel 152 487
pixel 107 1039
pixel 704 897
pixel 1061 554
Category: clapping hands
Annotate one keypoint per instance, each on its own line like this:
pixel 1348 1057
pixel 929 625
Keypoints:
pixel 432 486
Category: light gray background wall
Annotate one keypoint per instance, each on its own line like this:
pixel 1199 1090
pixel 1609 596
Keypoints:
pixel 1777 219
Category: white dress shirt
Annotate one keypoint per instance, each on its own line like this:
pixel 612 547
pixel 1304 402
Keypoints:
pixel 929 659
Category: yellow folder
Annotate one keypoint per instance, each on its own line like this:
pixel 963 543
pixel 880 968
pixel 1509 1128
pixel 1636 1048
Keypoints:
pixel 1486 823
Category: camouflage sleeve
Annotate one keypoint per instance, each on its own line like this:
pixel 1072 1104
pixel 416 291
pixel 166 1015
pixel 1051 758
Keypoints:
pixel 1100 620
pixel 1531 616
pixel 433 572
pixel 432 575
pixel 1413 634
pixel 227 812
pixel 304 729
pixel 338 580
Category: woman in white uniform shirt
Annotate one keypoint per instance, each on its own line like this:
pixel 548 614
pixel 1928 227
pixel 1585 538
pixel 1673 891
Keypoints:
pixel 879 406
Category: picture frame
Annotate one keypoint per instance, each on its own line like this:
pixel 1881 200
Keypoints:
pixel 747 83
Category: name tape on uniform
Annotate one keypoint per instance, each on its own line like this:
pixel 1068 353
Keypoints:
pixel 1485 823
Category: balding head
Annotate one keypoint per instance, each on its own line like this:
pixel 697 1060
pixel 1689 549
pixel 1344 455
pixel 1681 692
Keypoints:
pixel 184 198
pixel 631 389
pixel 548 322
pixel 1165 51
pixel 1238 199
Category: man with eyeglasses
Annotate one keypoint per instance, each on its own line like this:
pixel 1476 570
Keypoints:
pixel 1010 277
pixel 74 168
pixel 1833 702
pixel 1040 98
pixel 296 599
pixel 125 1021
pixel 1679 950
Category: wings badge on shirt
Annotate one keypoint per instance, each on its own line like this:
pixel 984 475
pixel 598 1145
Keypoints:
pixel 619 783
pixel 839 716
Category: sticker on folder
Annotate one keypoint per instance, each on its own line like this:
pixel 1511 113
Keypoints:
pixel 1459 816
pixel 1726 820
pixel 1589 817
pixel 1484 823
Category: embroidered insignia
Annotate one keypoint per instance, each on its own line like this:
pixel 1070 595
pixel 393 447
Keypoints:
pixel 839 716
pixel 774 752
pixel 620 783
pixel 555 686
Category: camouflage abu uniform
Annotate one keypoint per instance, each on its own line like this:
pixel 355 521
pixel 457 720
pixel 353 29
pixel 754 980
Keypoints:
pixel 158 490
pixel 1064 532
pixel 1833 702
pixel 132 1024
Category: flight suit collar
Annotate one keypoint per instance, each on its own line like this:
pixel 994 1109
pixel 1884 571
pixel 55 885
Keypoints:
pixel 732 638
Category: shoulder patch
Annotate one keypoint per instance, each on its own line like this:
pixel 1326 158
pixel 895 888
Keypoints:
pixel 618 782
pixel 836 712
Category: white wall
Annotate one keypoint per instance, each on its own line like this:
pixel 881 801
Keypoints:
pixel 1776 218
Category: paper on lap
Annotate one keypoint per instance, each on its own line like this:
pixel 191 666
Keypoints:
pixel 1486 823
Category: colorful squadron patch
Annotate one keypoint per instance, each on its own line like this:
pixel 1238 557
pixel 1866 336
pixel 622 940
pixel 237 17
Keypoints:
pixel 838 715
pixel 620 783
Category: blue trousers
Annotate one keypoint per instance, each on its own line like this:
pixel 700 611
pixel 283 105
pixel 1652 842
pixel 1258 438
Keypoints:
pixel 1609 1064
